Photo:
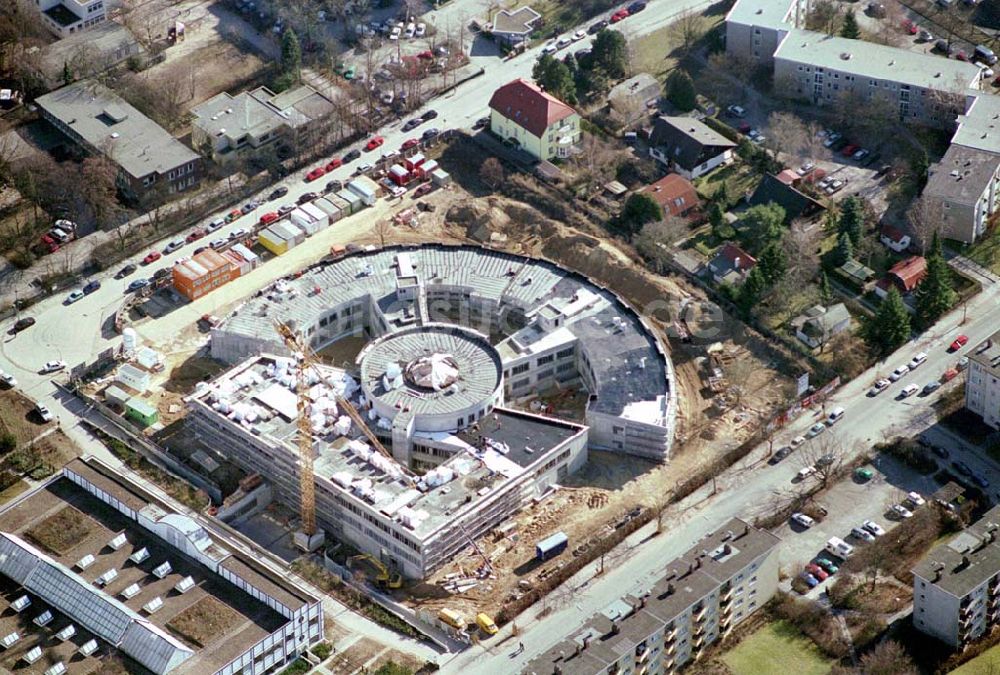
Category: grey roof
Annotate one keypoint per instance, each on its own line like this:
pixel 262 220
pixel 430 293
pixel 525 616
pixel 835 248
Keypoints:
pixel 687 141
pixel 525 435
pixel 689 578
pixel 823 319
pixel 968 560
pixel 100 46
pixel 478 364
pixel 869 60
pixel 628 361
pixel 988 356
pixel 634 92
pixel 979 127
pixel 764 13
pixel 796 204
pixel 518 22
pixel 297 106
pixel 110 124
pixel 96 611
pixel 962 175
pixel 235 116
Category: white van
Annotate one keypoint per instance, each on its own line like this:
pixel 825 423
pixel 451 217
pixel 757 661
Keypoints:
pixel 839 547
pixel 834 416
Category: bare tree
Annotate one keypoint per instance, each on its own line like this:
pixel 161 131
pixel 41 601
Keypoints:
pixel 826 455
pixel 687 30
pixel 655 240
pixel 99 190
pixel 492 173
pixel 787 132
pixel 824 16
pixel 888 658
pixel 382 229
pixel 925 217
pixel 596 163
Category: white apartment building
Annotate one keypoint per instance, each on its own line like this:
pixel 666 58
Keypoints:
pixel 982 382
pixel 722 580
pixel 66 17
pixel 755 28
pixel 956 587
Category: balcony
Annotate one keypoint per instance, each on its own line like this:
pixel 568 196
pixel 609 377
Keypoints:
pixel 670 634
pixel 700 614
pixel 670 650
pixel 642 656
pixel 727 596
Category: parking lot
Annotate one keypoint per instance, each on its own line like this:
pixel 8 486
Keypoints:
pixel 848 503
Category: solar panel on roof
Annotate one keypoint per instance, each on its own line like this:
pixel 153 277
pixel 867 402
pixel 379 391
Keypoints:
pixel 33 655
pixel 118 542
pixel 85 562
pixel 10 640
pixel 162 570
pixel 66 633
pixel 139 556
pixel 44 619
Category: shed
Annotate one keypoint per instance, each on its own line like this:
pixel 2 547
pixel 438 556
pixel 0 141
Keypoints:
pixel 615 189
pixel 290 232
pixel 142 412
pixel 366 188
pixel 116 396
pixel 399 175
pixel 303 220
pixel 353 200
pixel 244 252
pixel 341 204
pixel 628 99
pixel 133 378
pixel 441 177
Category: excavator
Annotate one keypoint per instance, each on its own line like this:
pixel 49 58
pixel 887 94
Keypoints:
pixel 383 578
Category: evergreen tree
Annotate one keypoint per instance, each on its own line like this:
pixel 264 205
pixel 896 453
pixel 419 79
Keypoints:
pixel 639 209
pixel 680 91
pixel 825 290
pixel 722 196
pixel 850 28
pixel 291 53
pixel 889 328
pixel 935 295
pixel 773 263
pixel 845 249
pixel 752 290
pixel 610 52
pixel 852 219
pixel 555 77
pixel 763 224
pixel 936 248
pixel 67 74
pixel 716 217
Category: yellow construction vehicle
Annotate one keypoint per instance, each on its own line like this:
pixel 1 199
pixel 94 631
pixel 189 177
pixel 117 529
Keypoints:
pixel 383 578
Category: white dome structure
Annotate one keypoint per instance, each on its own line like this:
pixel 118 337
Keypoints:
pixel 437 371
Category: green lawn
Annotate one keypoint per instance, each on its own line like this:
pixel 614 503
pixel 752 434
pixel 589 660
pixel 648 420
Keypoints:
pixel 777 648
pixel 986 663
pixel 740 177
pixel 987 251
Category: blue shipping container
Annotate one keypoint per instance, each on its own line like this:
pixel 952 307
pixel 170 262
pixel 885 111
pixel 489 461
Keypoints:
pixel 551 546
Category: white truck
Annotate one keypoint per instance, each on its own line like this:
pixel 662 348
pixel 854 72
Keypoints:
pixel 839 548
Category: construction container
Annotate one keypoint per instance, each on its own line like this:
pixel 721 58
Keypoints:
pixel 366 188
pixel 551 546
pixel 244 252
pixel 353 200
pixel 302 220
pixel 327 207
pixel 274 241
pixel 290 232
pixel 320 219
pixel 203 273
pixel 440 177
pixel 342 205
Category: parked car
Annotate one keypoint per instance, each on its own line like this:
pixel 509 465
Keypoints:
pixel 831 138
pixel 43 412
pixel 412 124
pixel 908 391
pixel 806 169
pixel 835 416
pixel 483 122
pixel 817 571
pixel 917 360
pixel 422 189
pixel 899 372
pixel 152 257
pixel 136 284
pixel 430 133
pixel 285 209
pixel 334 163
pixel 249 207
pixel 315 174
pixel 218 243
pixel 864 473
pixel 849 150
pixel 636 7
pixel 902 511
pixel 125 271
pixel 8 379
pixel 958 343
pixel 214 225
pixel 374 142
pixel 805 472
pixel 597 27
pixel 333 186
pixel 909 27
pixel 195 235
pixel 802 520
pixel 880 385
pixel 873 527
pixel 173 246
pixel 962 467
pixel 816 429
pixel 579 35
pixel 862 534
pixel 620 15
pixel 278 193
pixel 53 366
pixel 797 441
pixel 351 155
pixel 980 480
pixel 237 233
pixel 940 451
pixel 163 273
pixel 810 580
pixel 269 218
pixel 915 498
pixel 233 215
pixel 736 111
pixel 780 454
pixel 73 297
pixel 409 143
pixel 931 387
pixel 860 155
pixel 429 115
pixel 307 197
pixel 564 41
pixel 827 565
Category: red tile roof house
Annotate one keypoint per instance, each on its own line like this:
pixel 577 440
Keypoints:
pixel 894 238
pixel 536 121
pixel 675 194
pixel 731 265
pixel 905 275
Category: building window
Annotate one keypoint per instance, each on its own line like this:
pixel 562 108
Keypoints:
pixel 542 360
pixel 517 370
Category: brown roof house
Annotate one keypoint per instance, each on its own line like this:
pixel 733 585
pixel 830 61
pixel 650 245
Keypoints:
pixel 731 265
pixel 675 194
pixel 534 120
pixel 905 275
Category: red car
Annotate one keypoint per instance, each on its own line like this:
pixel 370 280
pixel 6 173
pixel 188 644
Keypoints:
pixel 815 176
pixel 374 142
pixel 335 163
pixel 409 143
pixel 910 27
pixel 195 236
pixel 958 343
pixel 817 571
pixel 427 54
pixel 318 172
pixel 962 56
pixel 152 257
pixel 268 218
pixel 744 128
pixel 849 149
pixel 422 190
pixel 619 15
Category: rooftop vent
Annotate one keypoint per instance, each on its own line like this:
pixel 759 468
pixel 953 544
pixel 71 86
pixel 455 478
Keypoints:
pixel 846 56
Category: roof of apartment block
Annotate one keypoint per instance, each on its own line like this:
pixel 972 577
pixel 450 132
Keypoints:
pixel 615 631
pixel 962 175
pixel 868 60
pixel 987 354
pixel 764 13
pixel 968 560
pixel 629 364
pixel 109 123
pixel 258 396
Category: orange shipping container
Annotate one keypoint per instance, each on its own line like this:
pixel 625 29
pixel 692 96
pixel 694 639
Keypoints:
pixel 205 272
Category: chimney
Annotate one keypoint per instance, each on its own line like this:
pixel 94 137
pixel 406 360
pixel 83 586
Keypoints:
pixel 615 628
pixel 670 589
pixel 728 535
pixel 586 641
pixel 727 549
pixel 736 262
